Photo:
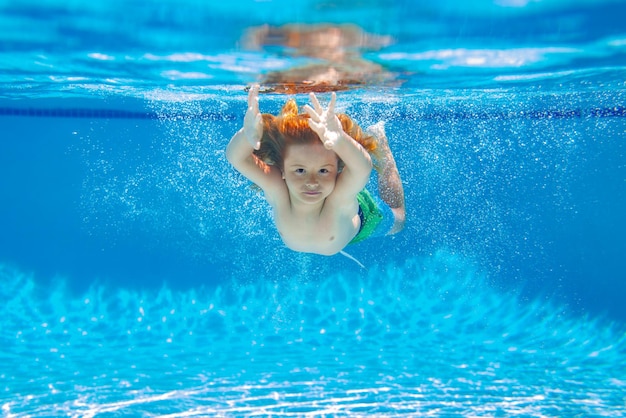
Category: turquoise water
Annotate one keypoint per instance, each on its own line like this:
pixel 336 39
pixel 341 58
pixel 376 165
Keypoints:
pixel 142 277
pixel 425 337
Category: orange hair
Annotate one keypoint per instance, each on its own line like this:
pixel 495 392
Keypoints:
pixel 291 128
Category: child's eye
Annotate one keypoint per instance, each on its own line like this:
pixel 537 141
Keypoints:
pixel 299 171
pixel 324 171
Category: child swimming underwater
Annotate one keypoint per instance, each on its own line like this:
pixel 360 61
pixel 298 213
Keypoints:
pixel 312 168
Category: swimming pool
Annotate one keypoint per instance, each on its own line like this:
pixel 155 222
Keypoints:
pixel 142 277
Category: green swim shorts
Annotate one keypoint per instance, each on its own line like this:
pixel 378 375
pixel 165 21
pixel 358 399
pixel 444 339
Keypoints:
pixel 370 214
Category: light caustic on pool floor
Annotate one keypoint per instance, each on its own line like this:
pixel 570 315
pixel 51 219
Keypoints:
pixel 426 337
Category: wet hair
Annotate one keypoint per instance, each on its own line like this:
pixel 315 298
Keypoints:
pixel 291 128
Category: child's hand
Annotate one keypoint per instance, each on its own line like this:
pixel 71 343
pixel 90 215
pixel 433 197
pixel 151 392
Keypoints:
pixel 324 122
pixel 252 122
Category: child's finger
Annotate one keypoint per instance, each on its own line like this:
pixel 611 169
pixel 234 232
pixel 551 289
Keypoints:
pixel 253 98
pixel 318 128
pixel 316 103
pixel 312 113
pixel 333 99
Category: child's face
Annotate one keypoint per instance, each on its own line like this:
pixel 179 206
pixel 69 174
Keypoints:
pixel 310 172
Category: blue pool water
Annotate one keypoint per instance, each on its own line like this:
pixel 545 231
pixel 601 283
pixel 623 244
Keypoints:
pixel 141 276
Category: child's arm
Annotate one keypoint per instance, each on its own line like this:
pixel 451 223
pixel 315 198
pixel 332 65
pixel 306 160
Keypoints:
pixel 358 163
pixel 245 141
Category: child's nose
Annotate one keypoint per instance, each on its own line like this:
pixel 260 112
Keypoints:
pixel 312 180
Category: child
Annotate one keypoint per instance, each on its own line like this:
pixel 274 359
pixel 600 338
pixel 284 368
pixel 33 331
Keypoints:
pixel 313 168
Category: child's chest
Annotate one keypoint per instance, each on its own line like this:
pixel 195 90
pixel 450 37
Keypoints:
pixel 321 234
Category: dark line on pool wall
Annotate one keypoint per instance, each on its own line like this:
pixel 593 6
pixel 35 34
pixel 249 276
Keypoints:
pixel 84 113
pixel 606 112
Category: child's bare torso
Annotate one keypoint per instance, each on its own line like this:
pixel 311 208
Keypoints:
pixel 324 232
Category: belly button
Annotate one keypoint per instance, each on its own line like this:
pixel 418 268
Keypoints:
pixel 332 238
